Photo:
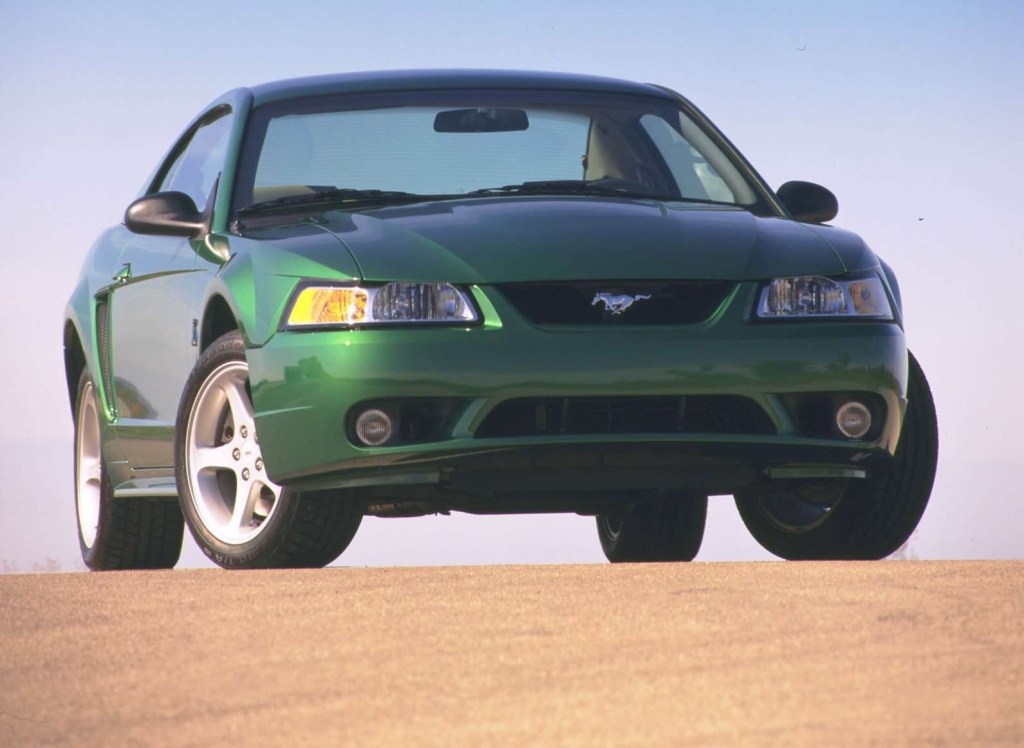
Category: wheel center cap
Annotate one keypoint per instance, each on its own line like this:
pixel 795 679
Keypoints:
pixel 250 451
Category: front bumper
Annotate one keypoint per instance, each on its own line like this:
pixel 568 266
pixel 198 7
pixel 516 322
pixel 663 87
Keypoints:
pixel 306 383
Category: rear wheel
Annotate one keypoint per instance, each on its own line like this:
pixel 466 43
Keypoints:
pixel 238 516
pixel 668 529
pixel 116 533
pixel 866 518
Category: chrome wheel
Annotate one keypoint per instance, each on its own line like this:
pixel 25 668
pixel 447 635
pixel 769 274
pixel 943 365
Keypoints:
pixel 229 488
pixel 88 466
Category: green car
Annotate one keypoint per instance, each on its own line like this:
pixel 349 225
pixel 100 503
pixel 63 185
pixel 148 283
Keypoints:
pixel 407 293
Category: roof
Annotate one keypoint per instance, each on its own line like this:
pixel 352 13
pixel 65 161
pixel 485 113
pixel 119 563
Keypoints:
pixel 418 80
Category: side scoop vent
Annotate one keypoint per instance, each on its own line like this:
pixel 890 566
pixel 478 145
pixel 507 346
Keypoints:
pixel 103 344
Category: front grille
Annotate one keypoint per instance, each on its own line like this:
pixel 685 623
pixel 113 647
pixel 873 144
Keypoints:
pixel 714 414
pixel 623 302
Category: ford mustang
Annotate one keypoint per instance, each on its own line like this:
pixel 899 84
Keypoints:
pixel 405 293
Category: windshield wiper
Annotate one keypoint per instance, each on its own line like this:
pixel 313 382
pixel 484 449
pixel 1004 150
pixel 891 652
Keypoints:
pixel 570 187
pixel 331 195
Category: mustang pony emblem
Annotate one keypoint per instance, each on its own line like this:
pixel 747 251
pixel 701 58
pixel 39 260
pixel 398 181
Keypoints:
pixel 618 303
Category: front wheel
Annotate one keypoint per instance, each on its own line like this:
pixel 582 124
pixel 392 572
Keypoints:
pixel 867 518
pixel 238 516
pixel 668 529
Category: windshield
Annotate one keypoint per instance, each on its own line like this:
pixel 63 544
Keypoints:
pixel 401 146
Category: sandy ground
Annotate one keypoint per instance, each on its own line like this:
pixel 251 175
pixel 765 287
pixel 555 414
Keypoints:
pixel 696 654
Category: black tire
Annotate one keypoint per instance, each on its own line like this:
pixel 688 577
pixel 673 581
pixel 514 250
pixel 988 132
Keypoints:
pixel 668 529
pixel 856 519
pixel 116 533
pixel 275 527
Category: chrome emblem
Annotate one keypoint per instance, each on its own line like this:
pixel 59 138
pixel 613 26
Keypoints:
pixel 618 303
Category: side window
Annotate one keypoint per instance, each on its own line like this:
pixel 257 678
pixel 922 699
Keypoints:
pixel 199 161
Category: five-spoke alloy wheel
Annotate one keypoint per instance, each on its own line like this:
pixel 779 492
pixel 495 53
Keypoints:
pixel 233 497
pixel 238 516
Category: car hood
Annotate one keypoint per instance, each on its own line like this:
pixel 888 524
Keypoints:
pixel 513 239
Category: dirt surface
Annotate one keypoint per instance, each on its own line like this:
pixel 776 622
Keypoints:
pixel 701 654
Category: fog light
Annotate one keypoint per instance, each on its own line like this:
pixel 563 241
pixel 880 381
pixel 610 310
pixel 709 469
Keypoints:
pixel 853 419
pixel 374 427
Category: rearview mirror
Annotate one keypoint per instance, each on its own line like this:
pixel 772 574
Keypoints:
pixel 808 202
pixel 165 214
pixel 481 120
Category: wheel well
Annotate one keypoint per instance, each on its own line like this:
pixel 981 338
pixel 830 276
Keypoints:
pixel 217 321
pixel 74 361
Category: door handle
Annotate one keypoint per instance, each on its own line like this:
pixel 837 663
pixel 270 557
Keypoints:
pixel 124 273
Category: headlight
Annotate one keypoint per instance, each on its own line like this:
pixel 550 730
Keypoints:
pixel 394 303
pixel 815 296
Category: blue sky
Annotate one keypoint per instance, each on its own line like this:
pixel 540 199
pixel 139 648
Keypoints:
pixel 911 112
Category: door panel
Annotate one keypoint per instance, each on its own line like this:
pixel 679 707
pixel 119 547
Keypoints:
pixel 152 311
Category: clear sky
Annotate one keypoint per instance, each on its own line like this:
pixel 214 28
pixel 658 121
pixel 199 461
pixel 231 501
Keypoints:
pixel 911 112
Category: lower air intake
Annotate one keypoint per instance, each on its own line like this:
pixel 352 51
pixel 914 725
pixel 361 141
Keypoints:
pixel 715 414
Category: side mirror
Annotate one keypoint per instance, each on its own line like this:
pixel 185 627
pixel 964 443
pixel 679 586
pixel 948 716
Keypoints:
pixel 808 202
pixel 165 214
